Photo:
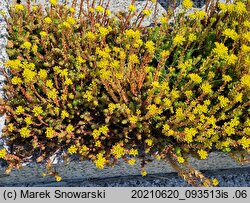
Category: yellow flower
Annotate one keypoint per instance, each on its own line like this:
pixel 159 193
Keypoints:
pixel 223 101
pixel 247 24
pixel 240 7
pixel 180 159
pixel 192 37
pixel 147 12
pixel 131 162
pixel 28 75
pixel 133 58
pixel 65 24
pixel 200 15
pixel 245 80
pixel 190 133
pixel 206 88
pixel 133 152
pixel 37 110
pixel 245 48
pixel 53 2
pixel 90 36
pixel 245 142
pixel 132 8
pixel 42 74
pixel 49 83
pixel 19 7
pixel 188 93
pixel 47 20
pixel 52 94
pixel 215 182
pixel 165 53
pixel 103 31
pixel 178 40
pixel 150 46
pixel 220 50
pixel 64 114
pixel 231 59
pixel 68 81
pixel 15 64
pixel 144 173
pixel 118 151
pixel 72 149
pixel 10 127
pixel 238 97
pixel 133 119
pixel 149 142
pixel 195 78
pixel 26 45
pixel 83 149
pixel 187 4
pixel 71 20
pixel 49 132
pixel 230 34
pixel 202 153
pixel 164 20
pixel 43 34
pixel 69 128
pixel 99 9
pixel 19 110
pixel 72 10
pixel 57 177
pixel 226 78
pixel 28 120
pixel 100 161
pixel 108 12
pixel 166 127
pixel 3 153
pixel 88 95
pixel 24 132
pixel 153 110
pixel 34 48
pixel 104 129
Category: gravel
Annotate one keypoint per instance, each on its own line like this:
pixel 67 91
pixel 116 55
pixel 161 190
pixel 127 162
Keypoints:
pixel 226 177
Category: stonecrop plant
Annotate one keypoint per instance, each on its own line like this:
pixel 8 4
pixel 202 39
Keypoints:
pixel 100 85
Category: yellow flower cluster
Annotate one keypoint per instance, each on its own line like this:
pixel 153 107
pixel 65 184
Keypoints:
pixel 132 8
pixel 189 134
pixel 3 153
pixel 195 78
pixel 206 88
pixel 150 46
pixel 70 128
pixel 53 2
pixel 37 110
pixel 230 33
pixel 118 151
pixel 187 4
pixel 49 132
pixel 19 110
pixel 28 75
pixel 202 153
pixel 14 64
pixel 154 110
pixel 178 40
pixel 220 50
pixel 19 7
pixel 24 132
pixel 245 80
pixel 100 161
pixel 47 20
pixel 72 149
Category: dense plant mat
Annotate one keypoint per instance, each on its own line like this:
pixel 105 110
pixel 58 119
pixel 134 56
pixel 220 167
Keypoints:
pixel 101 86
